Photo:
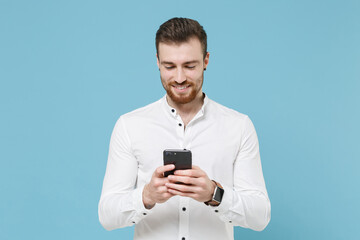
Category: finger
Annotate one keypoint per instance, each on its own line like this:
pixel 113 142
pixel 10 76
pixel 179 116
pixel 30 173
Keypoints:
pixel 165 196
pixel 159 172
pixel 181 187
pixel 162 189
pixel 182 179
pixel 159 181
pixel 184 194
pixel 189 172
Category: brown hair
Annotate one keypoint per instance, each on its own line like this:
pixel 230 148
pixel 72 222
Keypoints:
pixel 179 30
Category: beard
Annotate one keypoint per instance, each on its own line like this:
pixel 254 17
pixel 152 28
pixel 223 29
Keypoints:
pixel 182 98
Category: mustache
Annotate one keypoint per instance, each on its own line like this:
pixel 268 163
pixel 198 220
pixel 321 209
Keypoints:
pixel 186 82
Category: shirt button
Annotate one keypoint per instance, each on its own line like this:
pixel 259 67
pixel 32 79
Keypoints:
pixel 180 124
pixel 173 110
pixel 184 209
pixel 183 238
pixel 230 221
pixel 133 222
pixel 216 210
pixel 144 213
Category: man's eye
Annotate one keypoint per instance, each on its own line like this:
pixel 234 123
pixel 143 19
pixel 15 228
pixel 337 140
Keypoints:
pixel 169 67
pixel 190 67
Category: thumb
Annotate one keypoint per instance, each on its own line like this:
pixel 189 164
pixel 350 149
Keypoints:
pixel 159 172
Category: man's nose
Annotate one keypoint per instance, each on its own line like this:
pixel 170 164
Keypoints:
pixel 180 76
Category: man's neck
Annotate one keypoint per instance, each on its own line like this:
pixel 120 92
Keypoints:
pixel 188 111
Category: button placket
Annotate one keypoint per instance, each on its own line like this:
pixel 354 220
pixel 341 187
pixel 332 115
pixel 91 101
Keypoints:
pixel 188 137
pixel 180 131
pixel 184 218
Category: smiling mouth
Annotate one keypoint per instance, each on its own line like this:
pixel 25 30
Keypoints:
pixel 181 87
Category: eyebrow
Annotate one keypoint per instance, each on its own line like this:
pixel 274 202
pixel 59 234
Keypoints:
pixel 188 62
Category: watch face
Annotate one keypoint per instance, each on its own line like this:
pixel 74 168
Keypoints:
pixel 218 194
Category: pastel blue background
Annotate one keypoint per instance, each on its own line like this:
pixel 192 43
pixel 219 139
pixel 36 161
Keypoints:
pixel 69 69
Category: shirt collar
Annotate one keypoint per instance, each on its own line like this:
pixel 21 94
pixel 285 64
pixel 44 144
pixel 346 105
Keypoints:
pixel 172 111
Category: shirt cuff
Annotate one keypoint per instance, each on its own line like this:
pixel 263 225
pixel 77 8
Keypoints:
pixel 222 211
pixel 140 210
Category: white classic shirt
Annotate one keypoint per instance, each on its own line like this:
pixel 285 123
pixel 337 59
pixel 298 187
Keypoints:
pixel 223 143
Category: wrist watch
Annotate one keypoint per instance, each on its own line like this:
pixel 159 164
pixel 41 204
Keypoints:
pixel 217 197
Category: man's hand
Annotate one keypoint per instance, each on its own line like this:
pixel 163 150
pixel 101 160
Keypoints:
pixel 197 184
pixel 156 191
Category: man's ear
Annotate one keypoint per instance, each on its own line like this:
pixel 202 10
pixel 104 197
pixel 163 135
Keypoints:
pixel 206 60
pixel 157 61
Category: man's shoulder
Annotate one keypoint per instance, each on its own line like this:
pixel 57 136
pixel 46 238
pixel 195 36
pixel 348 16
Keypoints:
pixel 225 111
pixel 147 111
pixel 229 118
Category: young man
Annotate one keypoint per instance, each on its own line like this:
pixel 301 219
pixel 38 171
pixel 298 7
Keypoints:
pixel 225 186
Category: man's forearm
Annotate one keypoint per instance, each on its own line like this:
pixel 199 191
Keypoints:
pixel 148 203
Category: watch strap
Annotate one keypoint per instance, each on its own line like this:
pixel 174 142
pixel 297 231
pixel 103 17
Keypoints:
pixel 213 202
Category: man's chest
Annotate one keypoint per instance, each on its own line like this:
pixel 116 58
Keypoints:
pixel 214 146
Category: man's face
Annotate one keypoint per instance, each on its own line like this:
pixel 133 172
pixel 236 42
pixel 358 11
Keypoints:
pixel 182 69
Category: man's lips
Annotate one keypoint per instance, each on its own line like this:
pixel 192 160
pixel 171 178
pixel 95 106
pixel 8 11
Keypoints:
pixel 181 88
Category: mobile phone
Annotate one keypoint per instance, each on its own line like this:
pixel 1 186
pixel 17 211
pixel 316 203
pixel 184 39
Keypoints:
pixel 181 158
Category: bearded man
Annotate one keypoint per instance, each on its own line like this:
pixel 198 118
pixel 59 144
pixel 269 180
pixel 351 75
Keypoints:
pixel 225 186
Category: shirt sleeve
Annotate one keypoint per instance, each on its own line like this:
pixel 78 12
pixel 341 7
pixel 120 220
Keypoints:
pixel 121 203
pixel 246 203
